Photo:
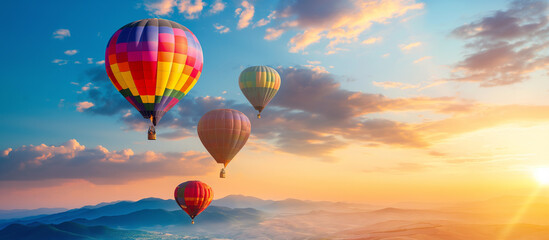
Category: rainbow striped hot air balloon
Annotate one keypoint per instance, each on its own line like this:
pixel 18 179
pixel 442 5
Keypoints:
pixel 223 132
pixel 259 84
pixel 193 197
pixel 153 63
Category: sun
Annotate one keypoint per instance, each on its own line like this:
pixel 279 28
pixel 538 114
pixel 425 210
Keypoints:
pixel 542 175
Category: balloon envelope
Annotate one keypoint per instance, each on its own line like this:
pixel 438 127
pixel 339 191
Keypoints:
pixel 153 63
pixel 259 84
pixel 223 133
pixel 193 197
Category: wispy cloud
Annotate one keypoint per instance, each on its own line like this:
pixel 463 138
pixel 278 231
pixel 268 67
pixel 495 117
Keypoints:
pixel 265 21
pixel 86 87
pixel 245 14
pixel 60 61
pixel 272 33
pixel 422 59
pixel 71 160
pixel 372 40
pixel 409 46
pixel 390 84
pixel 108 100
pixel 191 9
pixel 338 21
pixel 81 106
pixel 315 66
pixel 220 28
pixel 163 7
pixel 61 33
pixel 217 6
pixel 71 52
pixel 506 46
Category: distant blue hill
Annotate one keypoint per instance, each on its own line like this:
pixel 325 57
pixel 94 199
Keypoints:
pixel 150 218
pixel 21 213
pixel 241 201
pixel 149 211
pixel 75 231
pixel 91 212
pixel 286 206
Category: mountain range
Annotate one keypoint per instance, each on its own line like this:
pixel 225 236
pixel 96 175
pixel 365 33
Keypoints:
pixel 245 217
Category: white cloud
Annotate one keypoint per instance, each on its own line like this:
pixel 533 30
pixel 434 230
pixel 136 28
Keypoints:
pixel 7 152
pixel 245 15
pixel 335 50
pixel 313 65
pixel 163 7
pixel 408 47
pixel 217 6
pixel 220 28
pixel 81 106
pixel 61 103
pixel 273 33
pixel 340 22
pixel 61 33
pixel 86 87
pixel 60 61
pixel 90 60
pixel 390 84
pixel 71 160
pixel 71 52
pixel 422 59
pixel 100 62
pixel 317 69
pixel 372 40
pixel 127 114
pixel 265 21
pixel 190 9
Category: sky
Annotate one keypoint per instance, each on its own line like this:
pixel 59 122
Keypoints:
pixel 380 101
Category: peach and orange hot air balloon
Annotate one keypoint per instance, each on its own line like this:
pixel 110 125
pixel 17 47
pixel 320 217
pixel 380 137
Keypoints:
pixel 223 133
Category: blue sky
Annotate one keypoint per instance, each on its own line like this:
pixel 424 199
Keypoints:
pixel 38 85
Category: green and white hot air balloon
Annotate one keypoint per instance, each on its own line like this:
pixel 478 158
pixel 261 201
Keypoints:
pixel 259 84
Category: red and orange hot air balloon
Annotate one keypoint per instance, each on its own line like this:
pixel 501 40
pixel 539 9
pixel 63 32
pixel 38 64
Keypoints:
pixel 224 132
pixel 193 197
pixel 153 63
